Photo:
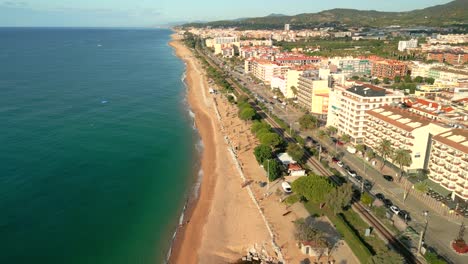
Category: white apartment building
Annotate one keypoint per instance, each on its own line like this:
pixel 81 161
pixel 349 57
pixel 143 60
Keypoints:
pixel 313 93
pixel 264 70
pixel 347 107
pixel 408 44
pixel 441 73
pixel 280 83
pixel 448 164
pixel 405 130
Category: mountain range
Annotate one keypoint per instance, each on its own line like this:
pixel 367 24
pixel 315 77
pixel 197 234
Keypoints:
pixel 452 13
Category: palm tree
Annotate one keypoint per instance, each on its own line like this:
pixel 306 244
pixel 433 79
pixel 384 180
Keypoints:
pixel 385 150
pixel 294 90
pixel 346 138
pixel 370 154
pixel 361 148
pixel 402 157
pixel 331 130
pixel 322 133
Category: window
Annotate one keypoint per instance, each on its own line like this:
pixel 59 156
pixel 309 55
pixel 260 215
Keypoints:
pixel 417 155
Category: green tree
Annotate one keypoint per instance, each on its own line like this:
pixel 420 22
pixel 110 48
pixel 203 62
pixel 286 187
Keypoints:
pixel 295 151
pixel 345 138
pixel 361 148
pixel 308 121
pixel 421 186
pixel 262 132
pixel 366 199
pixel 375 81
pixel 322 134
pixel 294 90
pixel 247 113
pixel 370 154
pixel 306 232
pixel 340 197
pixel 273 169
pixel 433 258
pixel 408 79
pixel 402 157
pixel 386 80
pixel 263 153
pixel 257 125
pixel 387 257
pixel 385 150
pixel 397 79
pixel 429 80
pixel 313 187
pixel 270 139
pixel 355 77
pixel 331 130
pixel 418 79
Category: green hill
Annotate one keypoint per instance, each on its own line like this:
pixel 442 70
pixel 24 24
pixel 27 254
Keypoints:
pixel 455 12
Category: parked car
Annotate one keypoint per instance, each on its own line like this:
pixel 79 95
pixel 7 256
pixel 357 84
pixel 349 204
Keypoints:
pixel 351 173
pixel 387 202
pixel 367 184
pixel 395 209
pixel 340 164
pixel 405 215
pixel 286 187
pixel 388 178
pixel 380 196
pixel 335 160
pixel 339 143
pixel 358 178
pixel 334 139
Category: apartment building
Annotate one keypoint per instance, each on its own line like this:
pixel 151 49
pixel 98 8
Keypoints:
pixel 441 73
pixel 313 93
pixel 280 83
pixel 389 69
pixel 409 44
pixel 348 105
pixel 448 164
pixel 258 51
pixel 451 57
pixel 294 60
pixel 264 70
pixel 405 130
pixel 352 66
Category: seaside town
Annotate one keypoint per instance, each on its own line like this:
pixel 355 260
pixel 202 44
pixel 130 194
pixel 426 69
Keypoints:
pixel 350 144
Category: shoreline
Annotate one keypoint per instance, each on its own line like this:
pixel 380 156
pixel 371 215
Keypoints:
pixel 195 211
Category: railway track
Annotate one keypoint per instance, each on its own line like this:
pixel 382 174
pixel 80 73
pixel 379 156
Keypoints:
pixel 311 161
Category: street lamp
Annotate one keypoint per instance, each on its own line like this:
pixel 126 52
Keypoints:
pixel 425 213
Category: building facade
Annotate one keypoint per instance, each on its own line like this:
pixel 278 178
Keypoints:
pixel 448 164
pixel 409 44
pixel 389 69
pixel 348 105
pixel 312 93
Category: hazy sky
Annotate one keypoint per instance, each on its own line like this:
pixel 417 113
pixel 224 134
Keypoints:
pixel 154 12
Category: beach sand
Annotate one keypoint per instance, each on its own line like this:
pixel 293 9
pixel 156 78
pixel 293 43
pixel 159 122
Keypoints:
pixel 224 222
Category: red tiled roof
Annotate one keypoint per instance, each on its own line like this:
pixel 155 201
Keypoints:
pixel 294 167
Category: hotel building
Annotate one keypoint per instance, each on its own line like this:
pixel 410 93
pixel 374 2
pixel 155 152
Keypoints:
pixel 448 164
pixel 312 93
pixel 347 107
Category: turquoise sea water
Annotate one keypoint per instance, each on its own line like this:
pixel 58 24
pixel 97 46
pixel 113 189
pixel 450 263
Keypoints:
pixel 96 146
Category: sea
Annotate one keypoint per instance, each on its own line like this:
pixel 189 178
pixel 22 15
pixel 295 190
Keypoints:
pixel 98 153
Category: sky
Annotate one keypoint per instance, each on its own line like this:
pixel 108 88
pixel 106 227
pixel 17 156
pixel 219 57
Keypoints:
pixel 148 13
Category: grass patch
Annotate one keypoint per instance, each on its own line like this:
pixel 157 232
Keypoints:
pixel 292 199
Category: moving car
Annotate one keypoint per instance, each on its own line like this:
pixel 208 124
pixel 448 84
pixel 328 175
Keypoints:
pixel 395 209
pixel 286 187
pixel 388 178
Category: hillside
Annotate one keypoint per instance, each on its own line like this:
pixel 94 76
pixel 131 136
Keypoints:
pixel 455 12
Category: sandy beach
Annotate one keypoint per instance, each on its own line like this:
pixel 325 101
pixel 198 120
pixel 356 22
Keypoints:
pixel 224 222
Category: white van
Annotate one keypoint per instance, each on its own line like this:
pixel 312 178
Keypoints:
pixel 351 149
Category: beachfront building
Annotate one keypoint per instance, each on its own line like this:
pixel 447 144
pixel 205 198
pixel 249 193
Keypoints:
pixel 405 129
pixel 313 92
pixel 448 164
pixel 408 44
pixel 348 104
pixel 389 69
pixel 279 82
pixel 264 70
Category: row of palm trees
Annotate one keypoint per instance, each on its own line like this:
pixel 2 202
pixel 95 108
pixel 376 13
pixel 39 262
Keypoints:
pixel 401 157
